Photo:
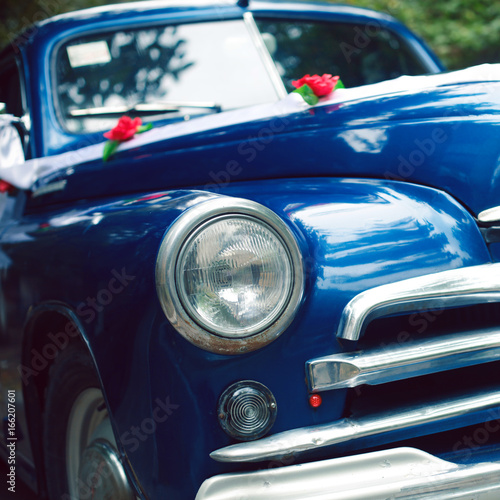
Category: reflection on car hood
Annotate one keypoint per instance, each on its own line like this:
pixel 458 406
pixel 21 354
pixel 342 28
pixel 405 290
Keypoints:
pixel 437 130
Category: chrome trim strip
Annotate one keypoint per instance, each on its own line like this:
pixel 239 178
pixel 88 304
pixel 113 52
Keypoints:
pixel 265 56
pixel 388 364
pixel 471 410
pixel 489 215
pixel 166 263
pixel 398 473
pixel 457 287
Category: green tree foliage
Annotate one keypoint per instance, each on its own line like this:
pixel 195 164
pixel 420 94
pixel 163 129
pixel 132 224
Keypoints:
pixel 461 32
pixel 20 15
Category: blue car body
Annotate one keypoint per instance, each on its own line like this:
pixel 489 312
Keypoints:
pixel 375 191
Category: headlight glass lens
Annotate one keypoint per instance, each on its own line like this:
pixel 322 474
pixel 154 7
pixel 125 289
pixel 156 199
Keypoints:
pixel 234 276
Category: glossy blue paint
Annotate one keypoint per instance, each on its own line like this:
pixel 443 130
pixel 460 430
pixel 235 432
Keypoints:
pixel 429 138
pixel 495 252
pixel 375 191
pixel 354 234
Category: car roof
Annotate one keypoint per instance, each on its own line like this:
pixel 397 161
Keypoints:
pixel 185 5
pixel 224 8
pixel 198 10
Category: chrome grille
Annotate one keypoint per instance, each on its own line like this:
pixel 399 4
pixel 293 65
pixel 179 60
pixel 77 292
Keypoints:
pixel 461 342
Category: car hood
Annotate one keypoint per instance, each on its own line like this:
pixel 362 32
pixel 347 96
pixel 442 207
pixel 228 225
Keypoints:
pixel 440 131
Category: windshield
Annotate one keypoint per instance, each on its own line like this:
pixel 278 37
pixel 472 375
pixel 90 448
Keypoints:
pixel 175 70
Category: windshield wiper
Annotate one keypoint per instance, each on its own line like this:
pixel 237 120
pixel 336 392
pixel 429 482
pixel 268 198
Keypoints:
pixel 145 109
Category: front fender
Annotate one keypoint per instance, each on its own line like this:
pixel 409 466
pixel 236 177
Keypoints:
pixel 354 235
pixel 163 391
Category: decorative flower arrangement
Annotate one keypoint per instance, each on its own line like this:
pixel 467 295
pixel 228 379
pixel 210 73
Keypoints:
pixel 124 130
pixel 311 88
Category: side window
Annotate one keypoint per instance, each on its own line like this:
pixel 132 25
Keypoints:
pixel 10 89
pixel 359 54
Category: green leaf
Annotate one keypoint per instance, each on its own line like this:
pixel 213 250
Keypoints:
pixel 307 94
pixel 144 128
pixel 339 85
pixel 109 149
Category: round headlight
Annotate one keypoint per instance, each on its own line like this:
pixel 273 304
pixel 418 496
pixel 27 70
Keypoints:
pixel 234 276
pixel 229 275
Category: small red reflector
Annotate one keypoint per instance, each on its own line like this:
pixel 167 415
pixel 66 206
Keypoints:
pixel 315 400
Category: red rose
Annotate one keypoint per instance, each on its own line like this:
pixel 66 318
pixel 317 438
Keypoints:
pixel 5 187
pixel 125 129
pixel 320 85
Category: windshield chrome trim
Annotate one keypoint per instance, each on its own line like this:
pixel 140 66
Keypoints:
pixel 457 287
pixel 400 362
pixel 449 414
pixel 265 56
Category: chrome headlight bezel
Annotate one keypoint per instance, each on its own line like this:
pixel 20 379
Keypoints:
pixel 167 274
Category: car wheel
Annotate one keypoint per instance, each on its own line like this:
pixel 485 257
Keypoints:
pixel 81 457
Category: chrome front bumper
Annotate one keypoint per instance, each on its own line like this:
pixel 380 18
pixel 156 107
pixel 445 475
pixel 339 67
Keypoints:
pixel 399 473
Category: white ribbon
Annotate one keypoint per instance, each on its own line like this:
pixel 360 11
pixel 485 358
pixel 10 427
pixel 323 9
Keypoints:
pixel 24 174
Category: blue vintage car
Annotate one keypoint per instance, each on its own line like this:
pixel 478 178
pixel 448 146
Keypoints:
pixel 258 298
